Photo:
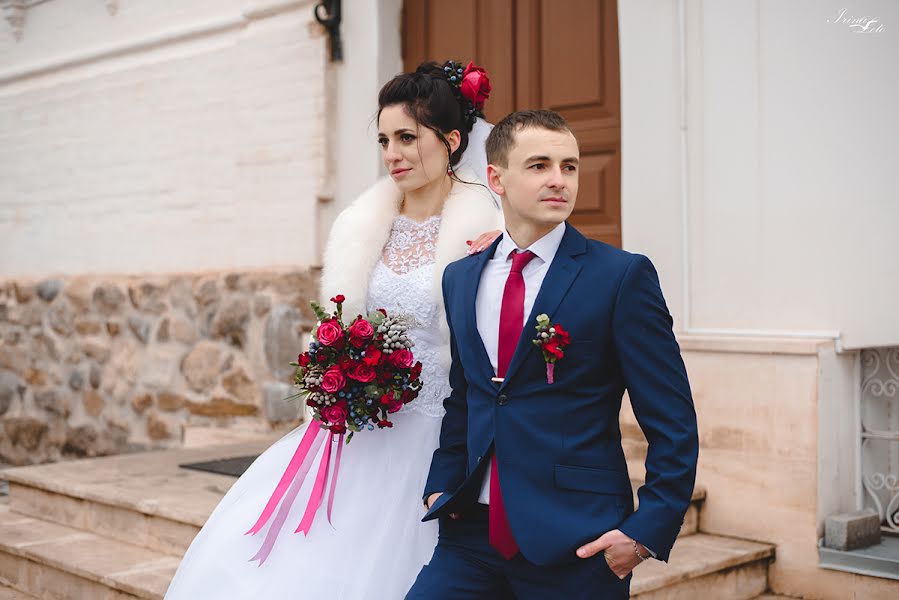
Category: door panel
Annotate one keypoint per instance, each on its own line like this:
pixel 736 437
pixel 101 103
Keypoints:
pixel 540 54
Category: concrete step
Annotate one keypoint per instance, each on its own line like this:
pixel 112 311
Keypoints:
pixel 142 499
pixel 706 566
pixel 147 499
pixel 56 562
pixel 8 593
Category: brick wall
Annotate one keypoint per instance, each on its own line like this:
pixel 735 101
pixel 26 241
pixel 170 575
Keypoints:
pixel 160 140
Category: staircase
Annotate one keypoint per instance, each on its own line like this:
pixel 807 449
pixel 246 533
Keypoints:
pixel 116 527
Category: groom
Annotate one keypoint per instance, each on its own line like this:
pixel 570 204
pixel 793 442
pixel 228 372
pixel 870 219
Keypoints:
pixel 530 481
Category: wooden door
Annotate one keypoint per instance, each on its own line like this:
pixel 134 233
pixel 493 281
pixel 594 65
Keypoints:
pixel 555 54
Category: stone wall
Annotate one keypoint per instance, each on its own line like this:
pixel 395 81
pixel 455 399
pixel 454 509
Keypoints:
pixel 96 365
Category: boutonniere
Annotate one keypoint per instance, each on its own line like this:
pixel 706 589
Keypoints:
pixel 551 339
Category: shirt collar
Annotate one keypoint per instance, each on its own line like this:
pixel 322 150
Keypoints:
pixel 545 248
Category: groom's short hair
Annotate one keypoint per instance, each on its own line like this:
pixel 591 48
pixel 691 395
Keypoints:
pixel 502 137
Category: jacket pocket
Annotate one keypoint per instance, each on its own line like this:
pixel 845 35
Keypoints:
pixel 589 479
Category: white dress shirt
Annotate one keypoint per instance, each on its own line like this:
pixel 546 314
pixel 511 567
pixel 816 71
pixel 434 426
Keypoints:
pixel 490 297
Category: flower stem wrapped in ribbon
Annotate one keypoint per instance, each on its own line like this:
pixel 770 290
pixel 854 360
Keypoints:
pixel 352 377
pixel 552 340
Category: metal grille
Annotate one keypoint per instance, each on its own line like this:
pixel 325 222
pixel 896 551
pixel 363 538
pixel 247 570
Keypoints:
pixel 880 434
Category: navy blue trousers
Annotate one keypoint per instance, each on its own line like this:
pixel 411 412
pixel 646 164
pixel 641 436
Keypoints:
pixel 466 567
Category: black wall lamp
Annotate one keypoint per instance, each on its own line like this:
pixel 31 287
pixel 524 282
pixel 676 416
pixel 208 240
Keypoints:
pixel 327 13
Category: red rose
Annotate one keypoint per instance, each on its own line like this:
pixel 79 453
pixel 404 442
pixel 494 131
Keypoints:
pixel 408 396
pixel 475 85
pixel 564 338
pixel 337 428
pixel 336 413
pixel 395 405
pixel 329 333
pixel 402 358
pixel 372 356
pixel 385 376
pixel 333 380
pixel 384 423
pixel 304 359
pixel 415 373
pixel 361 332
pixel 362 372
pixel 338 299
pixel 387 399
pixel 552 347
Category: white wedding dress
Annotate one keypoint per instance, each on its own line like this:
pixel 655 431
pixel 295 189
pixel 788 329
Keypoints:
pixel 377 544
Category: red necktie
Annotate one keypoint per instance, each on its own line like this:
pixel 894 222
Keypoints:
pixel 511 322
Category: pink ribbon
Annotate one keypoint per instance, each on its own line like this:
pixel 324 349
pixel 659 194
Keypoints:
pixel 550 371
pixel 334 478
pixel 289 487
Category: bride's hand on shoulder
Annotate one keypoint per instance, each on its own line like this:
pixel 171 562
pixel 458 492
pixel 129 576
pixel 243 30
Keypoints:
pixel 483 241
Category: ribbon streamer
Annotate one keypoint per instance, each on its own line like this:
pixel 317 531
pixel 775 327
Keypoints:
pixel 289 487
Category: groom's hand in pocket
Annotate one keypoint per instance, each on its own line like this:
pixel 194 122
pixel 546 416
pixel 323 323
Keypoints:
pixel 619 552
pixel 433 498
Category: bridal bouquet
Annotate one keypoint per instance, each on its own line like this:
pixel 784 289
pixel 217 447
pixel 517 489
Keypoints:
pixel 354 376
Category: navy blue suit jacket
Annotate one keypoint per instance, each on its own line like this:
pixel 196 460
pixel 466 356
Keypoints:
pixel 558 446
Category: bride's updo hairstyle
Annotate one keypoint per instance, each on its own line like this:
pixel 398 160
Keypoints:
pixel 441 98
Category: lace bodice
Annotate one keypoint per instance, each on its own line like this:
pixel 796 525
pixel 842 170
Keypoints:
pixel 411 244
pixel 401 283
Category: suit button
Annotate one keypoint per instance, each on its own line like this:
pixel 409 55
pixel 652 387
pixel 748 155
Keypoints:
pixel 502 399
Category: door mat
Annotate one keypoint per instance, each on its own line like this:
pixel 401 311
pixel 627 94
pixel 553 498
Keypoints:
pixel 234 467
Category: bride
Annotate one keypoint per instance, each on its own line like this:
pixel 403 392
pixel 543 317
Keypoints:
pixel 387 250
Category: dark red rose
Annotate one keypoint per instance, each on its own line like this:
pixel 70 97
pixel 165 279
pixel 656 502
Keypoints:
pixel 311 402
pixel 387 399
pixel 336 413
pixel 329 333
pixel 475 85
pixel 564 337
pixel 402 358
pixel 304 359
pixel 415 373
pixel 337 428
pixel 346 364
pixel 385 376
pixel 552 347
pixel 408 396
pixel 384 423
pixel 372 356
pixel 338 299
pixel 321 357
pixel 333 380
pixel 362 372
pixel 395 404
pixel 361 333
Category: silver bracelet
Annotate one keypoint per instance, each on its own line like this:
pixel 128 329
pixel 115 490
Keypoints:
pixel 637 552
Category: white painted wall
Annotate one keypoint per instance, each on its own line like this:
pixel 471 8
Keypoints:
pixel 789 155
pixel 371 49
pixel 171 136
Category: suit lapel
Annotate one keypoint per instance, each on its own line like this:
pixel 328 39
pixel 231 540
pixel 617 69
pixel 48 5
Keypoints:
pixel 561 274
pixel 472 281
